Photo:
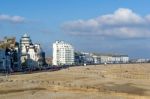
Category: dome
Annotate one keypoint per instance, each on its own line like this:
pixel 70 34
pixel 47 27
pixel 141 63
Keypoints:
pixel 25 40
pixel 25 35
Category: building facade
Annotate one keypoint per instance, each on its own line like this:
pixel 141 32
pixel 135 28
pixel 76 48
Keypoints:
pixel 92 58
pixel 2 60
pixel 10 47
pixel 63 53
pixel 31 54
pixel 111 59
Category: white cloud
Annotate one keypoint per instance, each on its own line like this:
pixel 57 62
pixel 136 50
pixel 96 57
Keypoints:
pixel 123 23
pixel 13 19
pixel 148 17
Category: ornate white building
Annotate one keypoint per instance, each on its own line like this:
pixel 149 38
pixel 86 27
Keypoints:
pixel 31 54
pixel 63 53
pixel 25 42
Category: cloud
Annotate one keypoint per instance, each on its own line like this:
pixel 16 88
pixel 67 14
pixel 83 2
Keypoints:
pixel 11 19
pixel 123 23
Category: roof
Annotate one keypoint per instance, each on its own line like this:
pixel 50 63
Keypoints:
pixel 25 35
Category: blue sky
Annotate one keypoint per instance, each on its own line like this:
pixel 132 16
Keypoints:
pixel 113 26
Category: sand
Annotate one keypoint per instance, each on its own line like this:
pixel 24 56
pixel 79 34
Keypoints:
pixel 117 81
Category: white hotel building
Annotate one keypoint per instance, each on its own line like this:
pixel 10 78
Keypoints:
pixel 63 53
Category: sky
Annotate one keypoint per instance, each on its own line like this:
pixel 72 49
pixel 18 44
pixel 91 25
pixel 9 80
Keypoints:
pixel 102 26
